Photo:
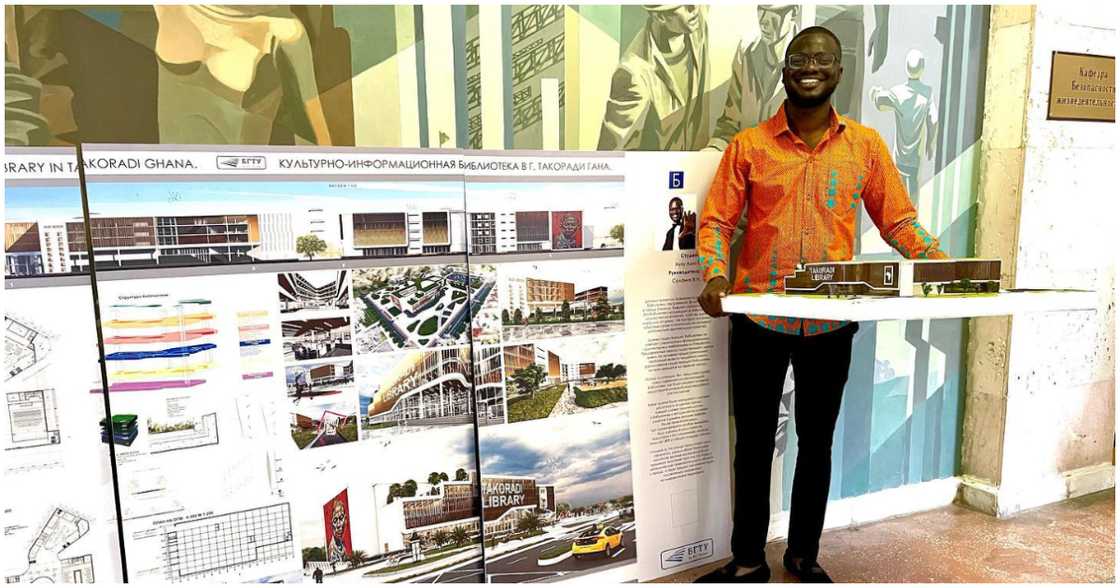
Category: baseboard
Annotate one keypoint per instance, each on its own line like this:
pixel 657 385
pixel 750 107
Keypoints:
pixel 1003 501
pixel 877 506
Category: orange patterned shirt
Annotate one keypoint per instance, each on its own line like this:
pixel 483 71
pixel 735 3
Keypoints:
pixel 801 205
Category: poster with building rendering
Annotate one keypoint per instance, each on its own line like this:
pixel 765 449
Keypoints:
pixel 57 507
pixel 551 386
pixel 268 309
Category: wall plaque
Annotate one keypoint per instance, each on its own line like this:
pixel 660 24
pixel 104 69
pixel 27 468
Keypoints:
pixel 1082 87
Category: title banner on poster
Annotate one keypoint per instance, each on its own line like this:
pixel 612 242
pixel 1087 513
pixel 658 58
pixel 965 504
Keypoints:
pixel 52 163
pixel 125 160
pixel 478 165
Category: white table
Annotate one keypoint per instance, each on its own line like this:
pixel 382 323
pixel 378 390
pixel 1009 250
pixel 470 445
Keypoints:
pixel 869 308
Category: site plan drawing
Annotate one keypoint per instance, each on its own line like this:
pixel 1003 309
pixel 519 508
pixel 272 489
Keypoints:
pixel 46 561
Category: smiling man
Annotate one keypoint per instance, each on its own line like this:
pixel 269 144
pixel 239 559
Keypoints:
pixel 799 177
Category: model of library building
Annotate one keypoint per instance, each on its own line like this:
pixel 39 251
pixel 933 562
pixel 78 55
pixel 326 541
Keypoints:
pixel 911 277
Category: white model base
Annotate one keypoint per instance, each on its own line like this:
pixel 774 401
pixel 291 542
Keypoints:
pixel 910 307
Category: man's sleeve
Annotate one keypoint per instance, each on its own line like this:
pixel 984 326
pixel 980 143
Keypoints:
pixel 889 207
pixel 627 107
pixel 725 202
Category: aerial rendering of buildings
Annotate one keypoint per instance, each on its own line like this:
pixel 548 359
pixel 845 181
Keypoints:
pixel 422 306
pixel 423 388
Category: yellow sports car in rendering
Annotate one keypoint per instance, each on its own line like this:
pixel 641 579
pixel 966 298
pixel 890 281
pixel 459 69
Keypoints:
pixel 606 540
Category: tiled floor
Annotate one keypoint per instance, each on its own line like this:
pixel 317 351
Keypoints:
pixel 1073 541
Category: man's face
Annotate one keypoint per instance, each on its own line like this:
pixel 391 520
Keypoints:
pixel 569 226
pixel 681 20
pixel 676 211
pixel 774 23
pixel 813 84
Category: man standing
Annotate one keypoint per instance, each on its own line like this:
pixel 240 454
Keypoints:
pixel 682 235
pixel 800 177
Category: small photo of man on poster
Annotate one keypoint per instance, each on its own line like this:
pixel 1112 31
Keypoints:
pixel 681 235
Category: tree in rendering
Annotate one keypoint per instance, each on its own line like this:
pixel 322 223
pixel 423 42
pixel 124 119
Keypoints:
pixel 459 536
pixel 461 475
pixel 517 317
pixel 617 233
pixel 566 311
pixel 439 537
pixel 394 492
pixel 357 558
pixel 310 245
pixel 602 309
pixel 529 523
pixel 529 378
pixel 433 478
pixel 505 316
pixel 408 490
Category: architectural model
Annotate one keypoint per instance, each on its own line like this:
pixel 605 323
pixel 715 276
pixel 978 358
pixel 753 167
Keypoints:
pixel 896 278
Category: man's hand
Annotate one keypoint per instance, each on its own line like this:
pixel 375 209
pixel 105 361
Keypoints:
pixel 711 299
pixel 688 224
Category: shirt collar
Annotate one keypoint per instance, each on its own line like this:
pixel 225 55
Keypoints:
pixel 779 124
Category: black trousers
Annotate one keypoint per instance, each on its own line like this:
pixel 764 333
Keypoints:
pixel 759 361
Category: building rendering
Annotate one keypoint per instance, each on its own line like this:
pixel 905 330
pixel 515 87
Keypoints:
pixel 403 232
pixel 558 369
pixel 426 388
pixel 165 240
pixel 587 299
pixel 490 401
pixel 530 294
pixel 319 378
pixel 527 231
pixel 518 357
pixel 399 522
pixel 316 338
pixel 297 292
pixel 505 499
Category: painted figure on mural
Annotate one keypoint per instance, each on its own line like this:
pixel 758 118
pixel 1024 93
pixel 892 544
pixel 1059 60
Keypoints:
pixel 658 98
pixel 915 120
pixel 755 89
pixel 847 22
pixel 337 551
pixel 227 72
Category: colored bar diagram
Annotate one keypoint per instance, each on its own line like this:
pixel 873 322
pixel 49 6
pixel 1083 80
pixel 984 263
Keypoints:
pixel 254 342
pixel 138 355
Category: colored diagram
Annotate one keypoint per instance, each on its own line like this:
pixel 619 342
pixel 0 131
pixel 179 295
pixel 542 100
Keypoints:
pixel 138 356
pixel 254 341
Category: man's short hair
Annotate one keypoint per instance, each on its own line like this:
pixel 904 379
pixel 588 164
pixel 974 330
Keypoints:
pixel 819 31
pixel 676 199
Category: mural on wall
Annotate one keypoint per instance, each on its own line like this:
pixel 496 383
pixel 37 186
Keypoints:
pixel 607 77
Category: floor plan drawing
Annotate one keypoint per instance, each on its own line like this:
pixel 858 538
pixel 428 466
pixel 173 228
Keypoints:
pixel 226 543
pixel 45 559
pixel 25 347
pixel 32 418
